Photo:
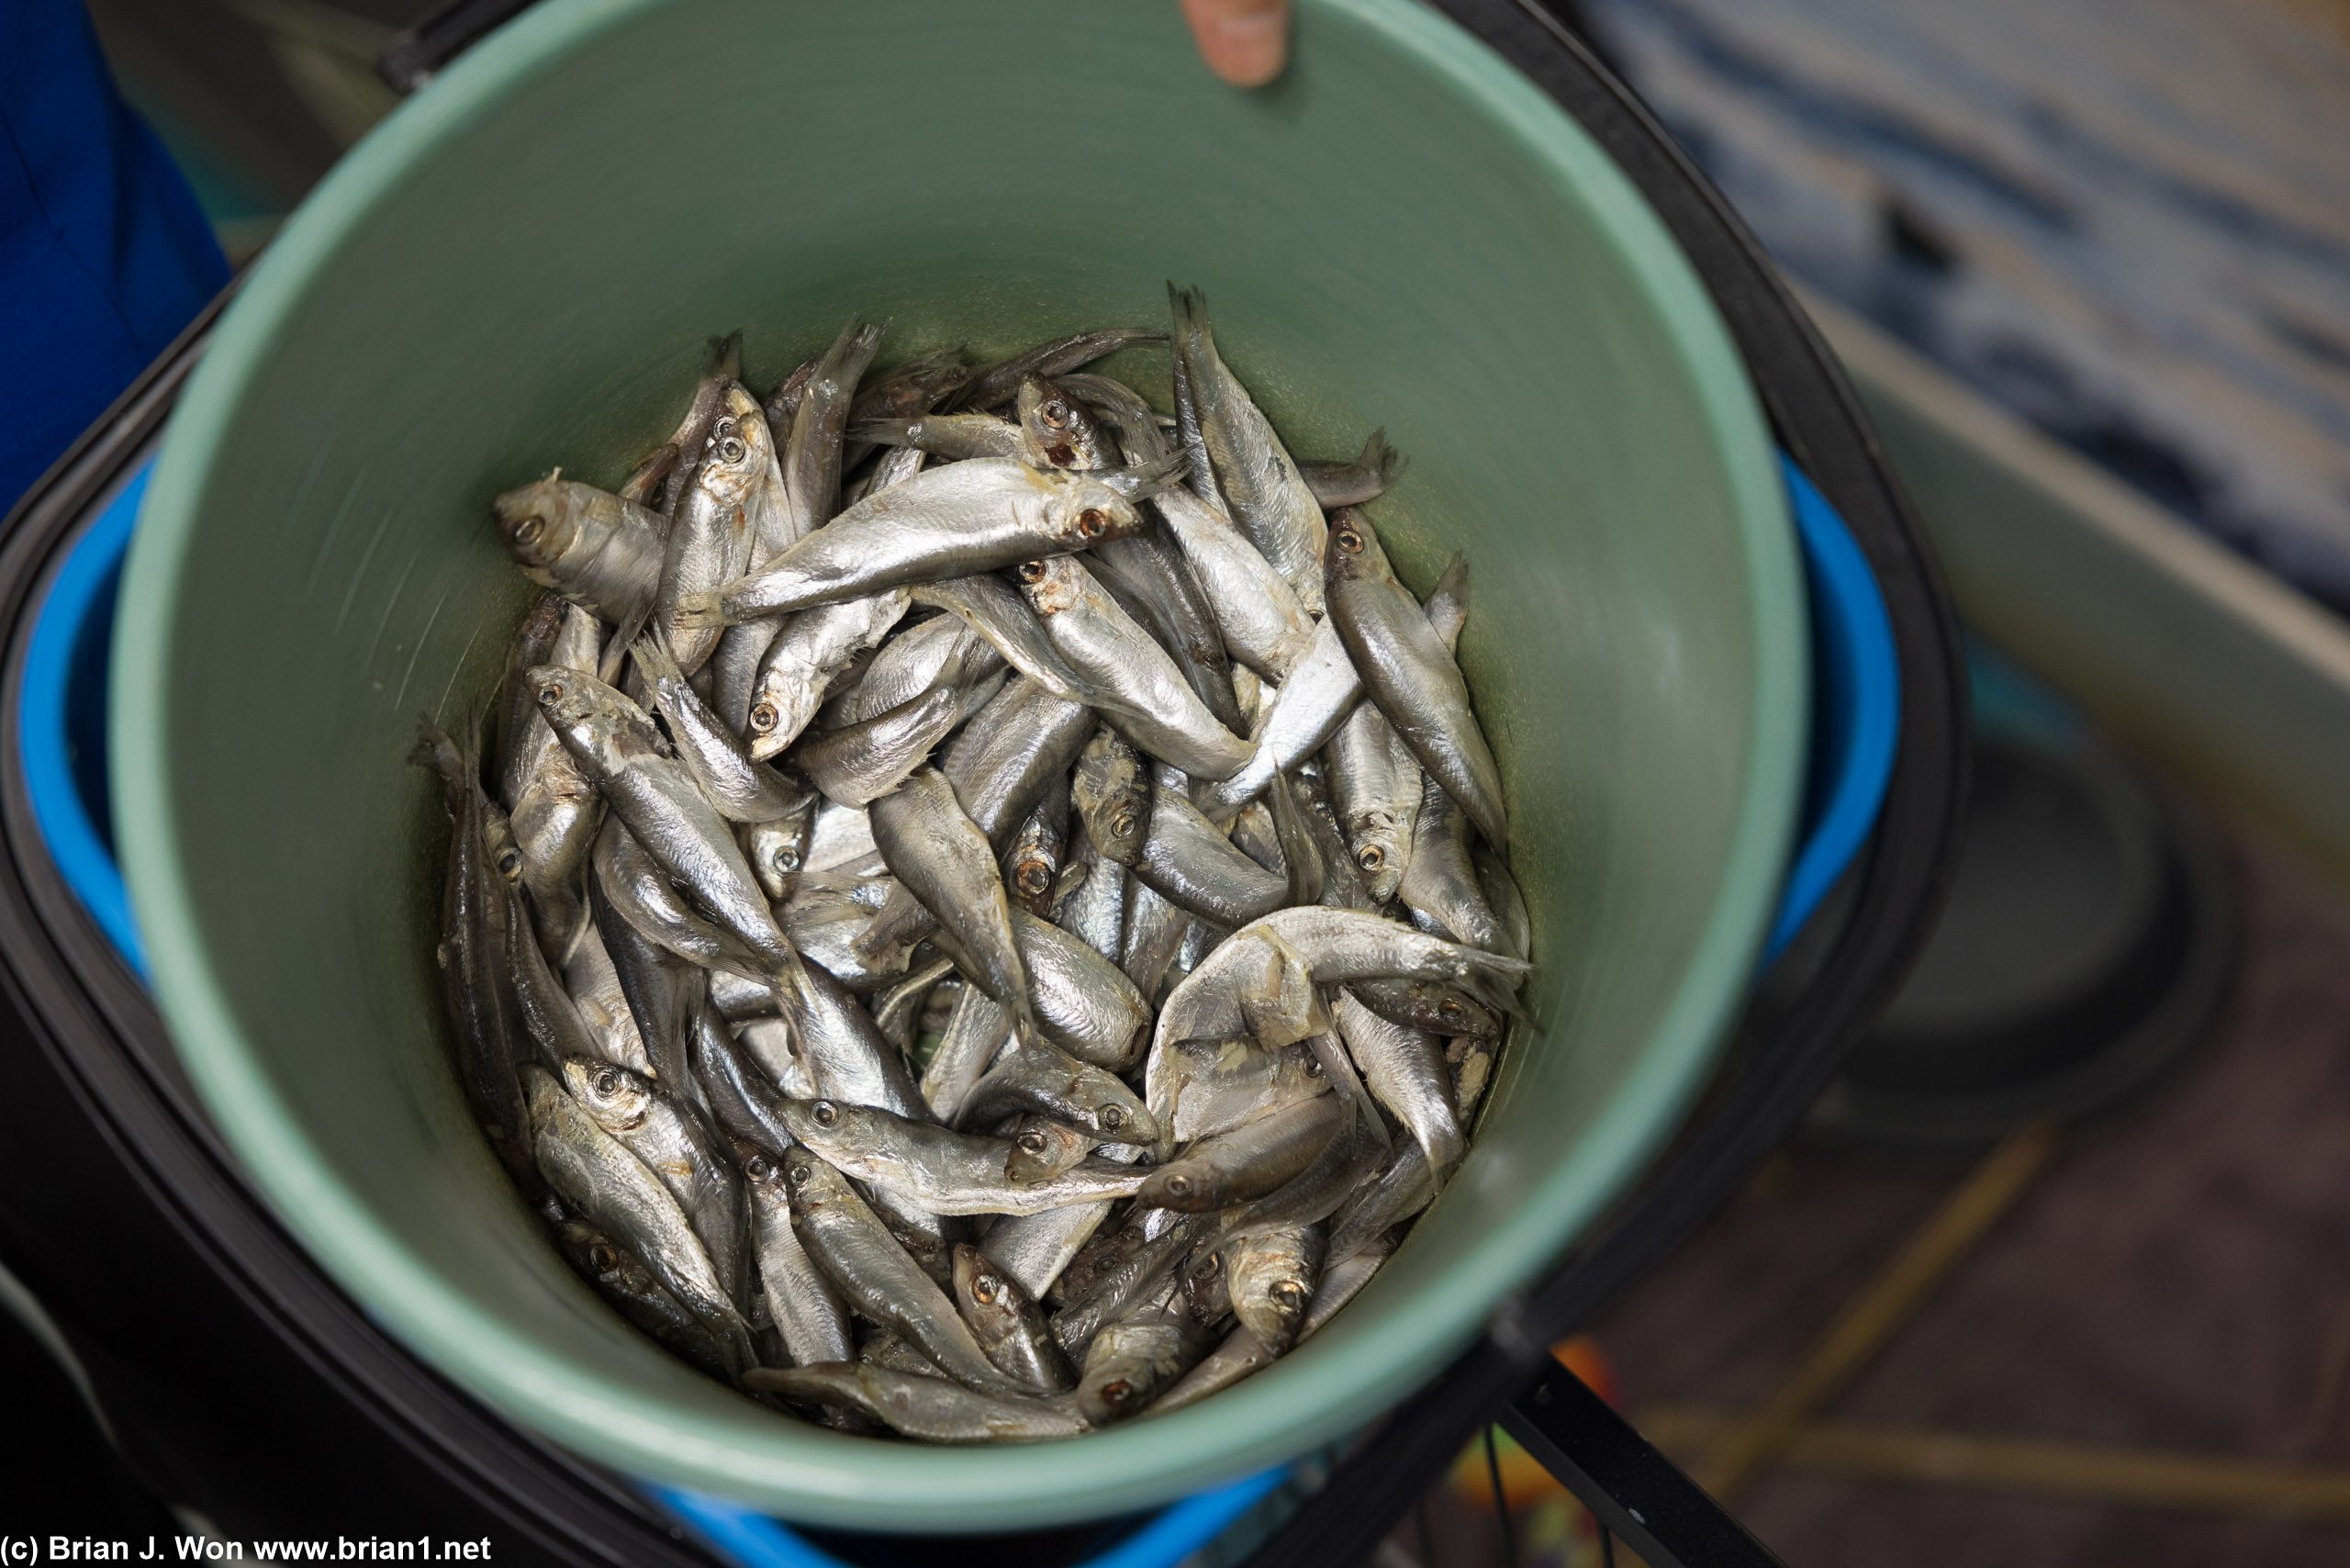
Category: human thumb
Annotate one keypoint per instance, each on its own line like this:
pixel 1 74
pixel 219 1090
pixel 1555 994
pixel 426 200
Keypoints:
pixel 1244 42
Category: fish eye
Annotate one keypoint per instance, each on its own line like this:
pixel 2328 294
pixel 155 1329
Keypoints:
pixel 1034 878
pixel 1117 1392
pixel 528 530
pixel 1092 522
pixel 764 717
pixel 1313 1067
pixel 983 1289
pixel 757 1168
pixel 606 1081
pixel 787 858
pixel 550 694
pixel 510 862
pixel 1178 1186
pixel 1123 824
pixel 800 1173
pixel 731 450
pixel 1347 540
pixel 1032 1141
pixel 603 1259
pixel 1290 1294
pixel 1113 1118
pixel 1448 1009
pixel 825 1112
pixel 1054 412
pixel 723 427
pixel 1210 1266
pixel 1032 571
pixel 1371 858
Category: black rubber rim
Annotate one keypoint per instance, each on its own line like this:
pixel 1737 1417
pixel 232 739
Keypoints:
pixel 93 1025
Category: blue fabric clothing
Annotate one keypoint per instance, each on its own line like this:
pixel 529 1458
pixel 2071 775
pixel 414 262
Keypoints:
pixel 104 253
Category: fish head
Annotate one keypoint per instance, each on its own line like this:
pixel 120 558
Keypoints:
pixel 1057 431
pixel 539 521
pixel 734 458
pixel 1052 583
pixel 811 1182
pixel 990 1300
pixel 567 698
pixel 497 839
pixel 1120 1122
pixel 1352 554
pixel 1206 1286
pixel 616 1097
pixel 1080 512
pixel 1381 846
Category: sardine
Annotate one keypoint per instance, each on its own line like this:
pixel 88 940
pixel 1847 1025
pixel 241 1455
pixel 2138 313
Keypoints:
pixel 1246 1162
pixel 945 1172
pixel 1080 1000
pixel 1309 711
pixel 854 766
pixel 1091 905
pixel 1241 1355
pixel 611 1190
pixel 665 809
pixel 1187 861
pixel 1009 1326
pixel 1260 484
pixel 711 540
pixel 1273 1273
pixel 595 987
pixel 875 1276
pixel 476 981
pixel 743 789
pixel 799 1298
pixel 1426 1004
pixel 1042 1148
pixel 1132 680
pixel 634 1292
pixel 1263 624
pixel 1375 794
pixel 1411 675
pixel 1035 1075
pixel 1131 1361
pixel 1440 880
pixel 1032 864
pixel 999 382
pixel 941 855
pixel 908 664
pixel 1111 789
pixel 682 1154
pixel 974 1032
pixel 778 850
pixel 1213 1086
pixel 598 550
pixel 812 647
pixel 950 438
pixel 943 524
pixel 1155 930
pixel 1298 949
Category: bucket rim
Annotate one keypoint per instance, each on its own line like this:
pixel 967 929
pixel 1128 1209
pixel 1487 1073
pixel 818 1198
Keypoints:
pixel 933 1489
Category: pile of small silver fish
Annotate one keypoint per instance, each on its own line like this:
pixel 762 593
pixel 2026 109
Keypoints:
pixel 983 914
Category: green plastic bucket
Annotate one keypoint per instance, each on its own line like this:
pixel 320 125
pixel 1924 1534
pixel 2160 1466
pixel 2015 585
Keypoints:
pixel 518 269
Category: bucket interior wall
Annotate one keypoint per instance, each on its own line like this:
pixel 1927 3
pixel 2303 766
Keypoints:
pixel 518 271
